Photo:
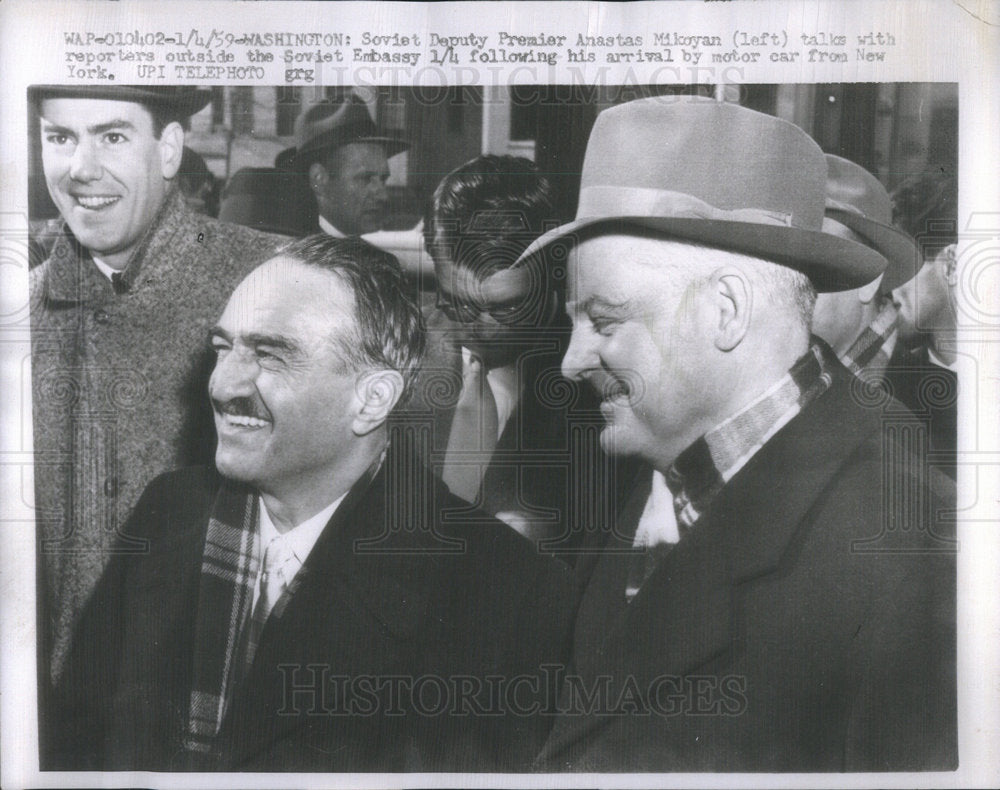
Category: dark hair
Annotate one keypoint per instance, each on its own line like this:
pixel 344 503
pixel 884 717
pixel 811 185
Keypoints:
pixel 390 326
pixel 484 214
pixel 926 207
pixel 163 115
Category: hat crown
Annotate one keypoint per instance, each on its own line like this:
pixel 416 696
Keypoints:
pixel 327 125
pixel 849 187
pixel 722 154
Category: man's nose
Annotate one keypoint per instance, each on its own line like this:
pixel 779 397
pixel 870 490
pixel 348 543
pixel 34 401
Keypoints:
pixel 85 164
pixel 579 356
pixel 234 376
pixel 380 192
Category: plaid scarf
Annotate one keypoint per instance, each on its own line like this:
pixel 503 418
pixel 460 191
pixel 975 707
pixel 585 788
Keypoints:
pixel 699 473
pixel 869 355
pixel 225 644
pixel 228 576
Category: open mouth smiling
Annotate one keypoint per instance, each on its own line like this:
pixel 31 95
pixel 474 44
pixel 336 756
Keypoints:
pixel 238 414
pixel 95 202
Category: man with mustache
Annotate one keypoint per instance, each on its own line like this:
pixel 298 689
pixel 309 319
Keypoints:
pixel 779 594
pixel 118 315
pixel 320 602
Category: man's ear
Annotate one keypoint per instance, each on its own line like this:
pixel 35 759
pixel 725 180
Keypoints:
pixel 171 149
pixel 318 176
pixel 867 292
pixel 732 298
pixel 378 391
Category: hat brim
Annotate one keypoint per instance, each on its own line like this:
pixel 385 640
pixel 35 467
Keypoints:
pixel 184 104
pixel 392 145
pixel 830 262
pixel 898 248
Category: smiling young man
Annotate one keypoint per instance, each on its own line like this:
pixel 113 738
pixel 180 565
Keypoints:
pixel 779 594
pixel 308 607
pixel 118 315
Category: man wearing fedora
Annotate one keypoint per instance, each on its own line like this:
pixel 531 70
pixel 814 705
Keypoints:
pixel 779 592
pixel 863 325
pixel 345 159
pixel 120 310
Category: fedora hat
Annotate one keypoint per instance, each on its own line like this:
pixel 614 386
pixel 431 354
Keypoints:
pixel 330 125
pixel 181 100
pixel 717 174
pixel 856 199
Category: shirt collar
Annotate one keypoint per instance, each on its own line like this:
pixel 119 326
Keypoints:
pixel 329 229
pixel 301 538
pixel 504 385
pixel 72 275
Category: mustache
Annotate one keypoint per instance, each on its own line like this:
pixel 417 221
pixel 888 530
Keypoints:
pixel 241 406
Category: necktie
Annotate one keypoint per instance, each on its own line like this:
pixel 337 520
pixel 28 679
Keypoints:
pixel 473 436
pixel 272 584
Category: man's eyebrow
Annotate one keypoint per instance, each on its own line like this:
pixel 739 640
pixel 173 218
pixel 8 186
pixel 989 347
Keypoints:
pixel 279 342
pixel 111 126
pixel 100 128
pixel 53 128
pixel 604 304
pixel 218 331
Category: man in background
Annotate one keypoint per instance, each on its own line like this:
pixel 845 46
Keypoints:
pixel 507 436
pixel 119 312
pixel 344 157
pixel 873 329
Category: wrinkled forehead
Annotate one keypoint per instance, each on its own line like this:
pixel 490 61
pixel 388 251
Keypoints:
pixel 358 158
pixel 286 295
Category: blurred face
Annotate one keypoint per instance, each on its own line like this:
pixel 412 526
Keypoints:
pixel 106 171
pixel 926 303
pixel 351 189
pixel 493 311
pixel 642 338
pixel 283 396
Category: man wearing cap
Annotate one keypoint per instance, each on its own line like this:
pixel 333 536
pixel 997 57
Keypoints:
pixel 779 592
pixel 120 311
pixel 345 159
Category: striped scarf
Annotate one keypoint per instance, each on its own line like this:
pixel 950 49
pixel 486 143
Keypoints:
pixel 869 355
pixel 700 472
pixel 228 576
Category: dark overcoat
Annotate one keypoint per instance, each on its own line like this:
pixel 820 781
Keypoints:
pixel 807 623
pixel 416 640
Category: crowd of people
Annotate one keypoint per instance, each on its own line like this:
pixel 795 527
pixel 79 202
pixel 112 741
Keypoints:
pixel 663 486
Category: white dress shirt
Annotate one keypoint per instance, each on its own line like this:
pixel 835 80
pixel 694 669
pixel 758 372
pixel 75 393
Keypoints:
pixel 299 540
